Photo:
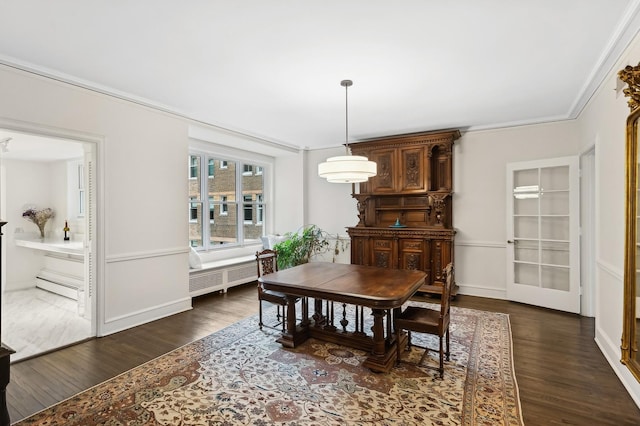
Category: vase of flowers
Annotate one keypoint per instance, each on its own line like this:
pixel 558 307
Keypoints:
pixel 39 217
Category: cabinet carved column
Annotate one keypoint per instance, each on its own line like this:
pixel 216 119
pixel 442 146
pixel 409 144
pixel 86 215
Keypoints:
pixel 405 212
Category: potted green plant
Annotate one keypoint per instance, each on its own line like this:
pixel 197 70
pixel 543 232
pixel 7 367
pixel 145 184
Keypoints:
pixel 300 246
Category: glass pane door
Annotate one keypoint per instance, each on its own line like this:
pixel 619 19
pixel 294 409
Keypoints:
pixel 543 232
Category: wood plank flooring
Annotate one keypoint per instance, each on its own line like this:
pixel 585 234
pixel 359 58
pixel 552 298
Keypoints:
pixel 562 376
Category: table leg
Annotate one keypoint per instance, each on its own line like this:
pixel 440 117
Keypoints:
pixel 383 350
pixel 378 331
pixel 305 321
pixel 294 335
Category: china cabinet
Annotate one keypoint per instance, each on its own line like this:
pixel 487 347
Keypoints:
pixel 405 212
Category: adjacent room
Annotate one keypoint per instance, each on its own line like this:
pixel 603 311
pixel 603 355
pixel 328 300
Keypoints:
pixel 266 212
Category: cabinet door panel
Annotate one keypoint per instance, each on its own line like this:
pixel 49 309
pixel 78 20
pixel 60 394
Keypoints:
pixel 411 254
pixel 412 170
pixel 416 218
pixel 385 179
pixel 358 251
pixel 384 253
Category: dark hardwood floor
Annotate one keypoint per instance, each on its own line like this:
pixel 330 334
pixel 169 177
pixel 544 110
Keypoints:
pixel 562 376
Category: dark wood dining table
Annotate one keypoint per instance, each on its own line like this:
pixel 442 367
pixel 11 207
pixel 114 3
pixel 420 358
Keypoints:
pixel 382 290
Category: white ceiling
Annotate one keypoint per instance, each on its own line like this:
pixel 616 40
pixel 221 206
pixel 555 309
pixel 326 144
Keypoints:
pixel 272 69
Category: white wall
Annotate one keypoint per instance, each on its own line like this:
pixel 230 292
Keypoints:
pixel 25 183
pixel 480 161
pixel 330 205
pixel 289 193
pixel 142 235
pixel 602 124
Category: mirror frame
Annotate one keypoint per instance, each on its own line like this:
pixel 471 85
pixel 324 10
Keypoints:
pixel 629 345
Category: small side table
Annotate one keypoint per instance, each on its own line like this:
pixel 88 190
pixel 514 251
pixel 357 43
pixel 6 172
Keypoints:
pixel 5 355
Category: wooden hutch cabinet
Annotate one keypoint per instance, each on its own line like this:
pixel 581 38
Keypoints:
pixel 405 211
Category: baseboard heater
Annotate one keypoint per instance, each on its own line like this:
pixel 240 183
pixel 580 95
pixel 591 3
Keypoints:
pixel 219 276
pixel 62 289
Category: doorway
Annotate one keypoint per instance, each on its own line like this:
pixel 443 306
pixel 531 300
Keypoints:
pixel 543 233
pixel 47 285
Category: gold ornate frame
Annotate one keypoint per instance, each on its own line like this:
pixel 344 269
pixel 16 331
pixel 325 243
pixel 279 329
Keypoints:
pixel 629 346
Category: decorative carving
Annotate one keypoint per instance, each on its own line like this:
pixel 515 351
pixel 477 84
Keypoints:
pixel 382 259
pixel 383 244
pixel 362 207
pixel 384 171
pixel 439 206
pixel 268 265
pixel 631 76
pixel 420 233
pixel 413 261
pixel 412 173
pixel 629 354
pixel 437 274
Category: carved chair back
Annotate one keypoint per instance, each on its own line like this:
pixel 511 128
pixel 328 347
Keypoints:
pixel 267 262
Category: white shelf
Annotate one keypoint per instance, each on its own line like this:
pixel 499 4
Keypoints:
pixel 53 246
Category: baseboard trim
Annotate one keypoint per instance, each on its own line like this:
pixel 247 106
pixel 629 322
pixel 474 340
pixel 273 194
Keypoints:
pixel 612 354
pixel 134 319
pixel 482 291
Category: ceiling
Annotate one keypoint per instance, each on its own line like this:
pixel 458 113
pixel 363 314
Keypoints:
pixel 272 69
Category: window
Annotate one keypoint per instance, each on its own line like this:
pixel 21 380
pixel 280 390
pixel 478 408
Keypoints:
pixel 194 163
pixel 259 207
pixel 210 167
pixel 248 208
pixel 234 202
pixel 193 210
pixel 224 207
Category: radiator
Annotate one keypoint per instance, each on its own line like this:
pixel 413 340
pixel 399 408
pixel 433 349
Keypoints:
pixel 210 279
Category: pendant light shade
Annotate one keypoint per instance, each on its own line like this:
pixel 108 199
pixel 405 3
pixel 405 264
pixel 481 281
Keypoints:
pixel 347 168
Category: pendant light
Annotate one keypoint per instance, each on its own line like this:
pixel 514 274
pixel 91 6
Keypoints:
pixel 347 168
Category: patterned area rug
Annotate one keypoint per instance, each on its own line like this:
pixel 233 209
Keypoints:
pixel 241 376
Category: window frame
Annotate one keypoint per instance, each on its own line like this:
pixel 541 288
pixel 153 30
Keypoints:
pixel 260 165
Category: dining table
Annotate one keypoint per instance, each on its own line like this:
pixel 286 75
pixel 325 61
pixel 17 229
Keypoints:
pixel 358 290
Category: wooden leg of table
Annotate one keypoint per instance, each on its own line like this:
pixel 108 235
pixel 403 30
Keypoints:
pixel 305 321
pixel 378 332
pixel 384 350
pixel 293 335
pixel 291 315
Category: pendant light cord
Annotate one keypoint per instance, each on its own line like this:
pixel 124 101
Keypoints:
pixel 346 84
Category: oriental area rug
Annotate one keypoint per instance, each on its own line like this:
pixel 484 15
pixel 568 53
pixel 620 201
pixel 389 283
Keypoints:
pixel 241 376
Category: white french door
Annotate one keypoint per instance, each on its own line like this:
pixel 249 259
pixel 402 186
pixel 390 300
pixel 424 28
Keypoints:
pixel 543 233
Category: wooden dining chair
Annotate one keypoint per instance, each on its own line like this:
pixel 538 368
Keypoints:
pixel 267 261
pixel 430 321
